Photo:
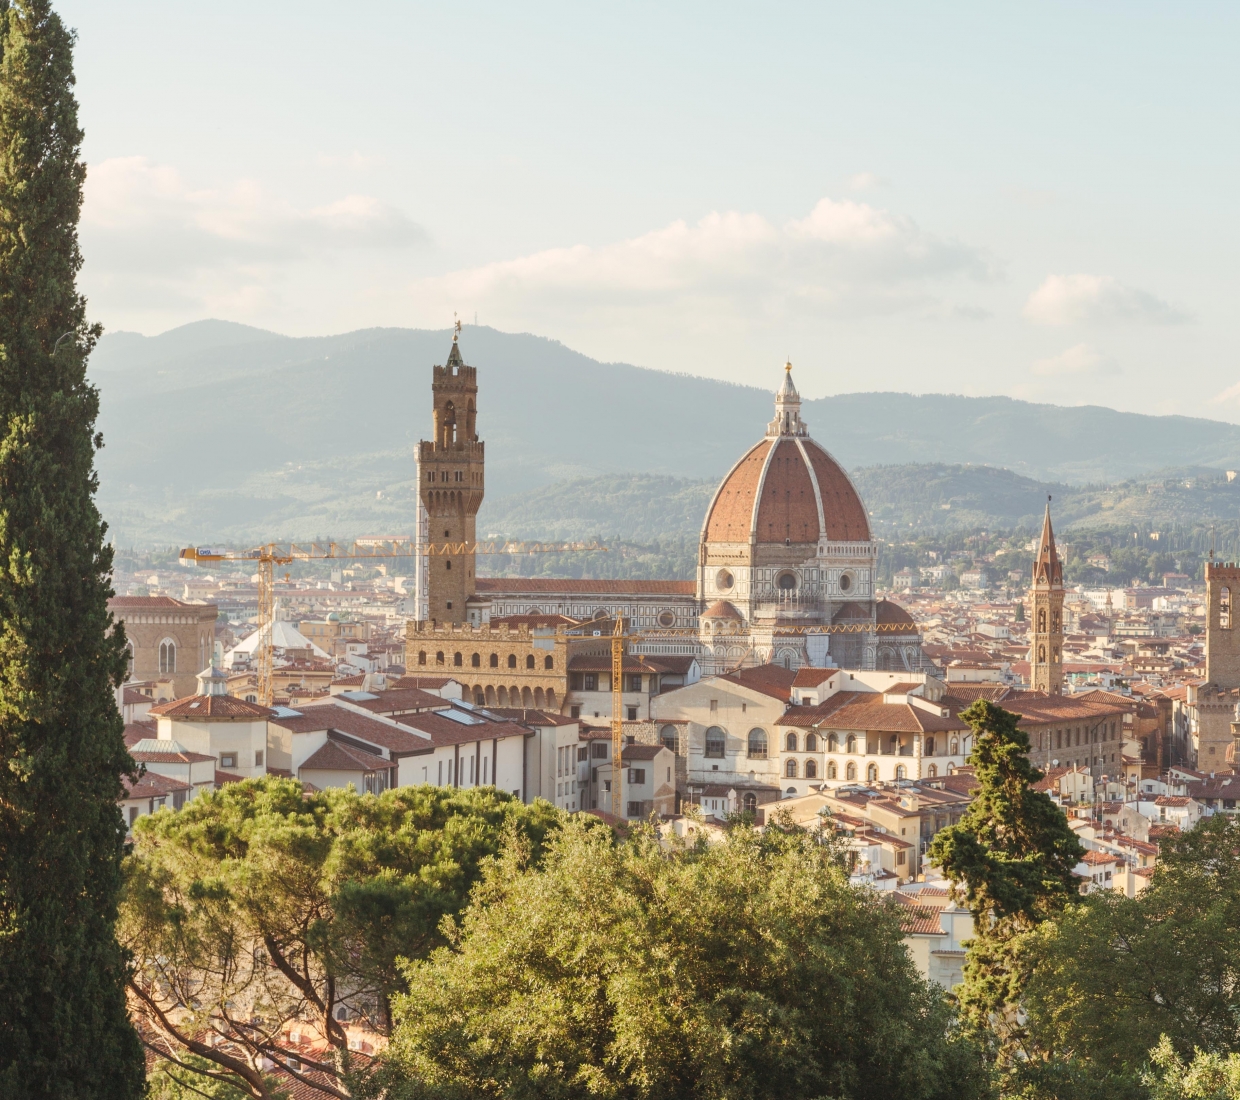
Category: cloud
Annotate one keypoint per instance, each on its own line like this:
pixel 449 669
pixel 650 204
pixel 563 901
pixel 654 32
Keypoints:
pixel 1096 299
pixel 844 258
pixel 1229 394
pixel 865 181
pixel 1080 359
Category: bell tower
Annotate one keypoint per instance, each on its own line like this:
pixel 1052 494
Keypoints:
pixel 1046 622
pixel 450 484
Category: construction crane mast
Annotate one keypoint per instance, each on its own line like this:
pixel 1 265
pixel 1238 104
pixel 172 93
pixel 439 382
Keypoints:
pixel 270 554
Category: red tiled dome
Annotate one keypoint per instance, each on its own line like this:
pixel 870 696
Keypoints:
pixel 786 488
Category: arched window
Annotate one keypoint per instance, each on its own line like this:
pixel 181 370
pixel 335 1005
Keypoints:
pixel 1224 608
pixel 790 742
pixel 831 769
pixel 811 769
pixel 548 662
pixel 954 747
pixel 168 656
pixel 456 660
pixel 811 742
pixel 929 746
pixel 476 660
pixel 439 657
pixel 529 660
pixel 495 660
pixel 1041 620
pixel 790 769
pixel 851 744
pixel 851 771
pixel 901 771
pixel 757 744
pixel 751 802
pixel 1041 654
pixel 512 660
pixel 421 656
pixel 833 743
pixel 933 770
pixel 871 773
pixel 716 743
pixel 669 738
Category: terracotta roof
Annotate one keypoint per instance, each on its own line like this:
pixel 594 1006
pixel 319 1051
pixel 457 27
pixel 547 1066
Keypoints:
pixel 445 731
pixel 772 494
pixel 1096 857
pixel 426 683
pixel 138 731
pixel 528 716
pixel 721 609
pixel 892 613
pixel 336 757
pixel 812 677
pixel 329 716
pixel 131 697
pixel 867 711
pixel 921 920
pixel 121 603
pixel 568 586
pixel 1172 800
pixel 398 701
pixel 152 785
pixel 961 695
pixel 850 612
pixel 221 778
pixel 772 680
pixel 1038 707
pixel 210 707
pixel 640 752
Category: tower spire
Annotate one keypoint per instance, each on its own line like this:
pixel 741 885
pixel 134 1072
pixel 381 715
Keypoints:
pixel 1046 634
pixel 787 408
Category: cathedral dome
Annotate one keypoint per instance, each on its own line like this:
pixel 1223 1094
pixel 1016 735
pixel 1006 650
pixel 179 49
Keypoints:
pixel 786 488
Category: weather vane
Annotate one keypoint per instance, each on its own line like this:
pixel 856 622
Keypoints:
pixel 457 326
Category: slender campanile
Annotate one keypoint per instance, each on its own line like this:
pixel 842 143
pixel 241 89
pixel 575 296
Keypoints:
pixel 450 476
pixel 1046 622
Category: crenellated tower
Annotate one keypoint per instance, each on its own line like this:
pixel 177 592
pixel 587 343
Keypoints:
pixel 450 477
pixel 1046 622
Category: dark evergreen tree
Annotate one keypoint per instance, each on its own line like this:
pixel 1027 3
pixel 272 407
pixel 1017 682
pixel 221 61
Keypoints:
pixel 1012 857
pixel 64 1031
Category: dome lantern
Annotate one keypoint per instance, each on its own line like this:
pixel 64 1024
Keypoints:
pixel 787 409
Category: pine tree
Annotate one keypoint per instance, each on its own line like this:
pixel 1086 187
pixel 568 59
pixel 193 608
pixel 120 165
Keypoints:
pixel 1012 855
pixel 64 1031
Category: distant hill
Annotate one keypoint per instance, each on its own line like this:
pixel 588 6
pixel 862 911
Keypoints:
pixel 217 431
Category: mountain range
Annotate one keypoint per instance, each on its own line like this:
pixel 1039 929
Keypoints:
pixel 221 432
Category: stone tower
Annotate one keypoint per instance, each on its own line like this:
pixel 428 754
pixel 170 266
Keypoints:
pixel 450 478
pixel 1222 635
pixel 1046 622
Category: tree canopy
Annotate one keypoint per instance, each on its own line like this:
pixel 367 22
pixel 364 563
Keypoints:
pixel 747 968
pixel 263 906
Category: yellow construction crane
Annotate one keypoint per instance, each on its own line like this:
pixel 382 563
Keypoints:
pixel 270 554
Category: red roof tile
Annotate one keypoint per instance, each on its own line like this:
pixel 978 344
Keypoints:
pixel 210 708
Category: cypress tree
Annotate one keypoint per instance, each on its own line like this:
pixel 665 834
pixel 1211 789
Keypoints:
pixel 64 1031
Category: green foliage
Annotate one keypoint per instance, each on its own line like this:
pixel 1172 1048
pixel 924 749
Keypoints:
pixel 1206 1077
pixel 195 1081
pixel 63 1025
pixel 1012 856
pixel 748 968
pixel 1113 977
pixel 261 898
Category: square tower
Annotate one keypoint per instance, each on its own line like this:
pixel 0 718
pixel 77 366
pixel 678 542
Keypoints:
pixel 1222 631
pixel 1046 622
pixel 450 485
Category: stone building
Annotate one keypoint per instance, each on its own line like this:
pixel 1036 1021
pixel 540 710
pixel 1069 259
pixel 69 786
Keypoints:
pixel 1215 728
pixel 1046 619
pixel 168 640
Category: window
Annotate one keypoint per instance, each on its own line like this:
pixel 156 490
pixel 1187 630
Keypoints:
pixel 631 712
pixel 598 750
pixel 476 660
pixel 716 742
pixel 787 582
pixel 574 712
pixel 548 662
pixel 457 660
pixel 635 809
pixel 811 742
pixel 929 746
pixel 582 753
pixel 178 799
pixel 637 776
pixel 449 565
pixel 790 742
pixel 933 770
pixel 851 744
pixel 529 660
pixel 901 771
pixel 811 769
pixel 751 802
pixel 851 771
pixel 833 743
pixel 228 760
pixel 845 582
pixel 258 758
pixel 668 736
pixel 421 656
pixel 871 773
pixel 831 770
pixel 635 682
pixel 494 660
pixel 757 744
pixel 955 747
pixel 1224 608
pixel 168 656
pixel 901 858
pixel 133 815
pixel 439 657
pixel 790 769
pixel 512 660
pixel 590 681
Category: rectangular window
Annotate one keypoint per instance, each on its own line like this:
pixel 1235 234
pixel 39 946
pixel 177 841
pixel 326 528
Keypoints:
pixel 637 776
pixel 635 683
pixel 574 711
pixel 484 770
pixel 258 758
pixel 599 750
pixel 228 760
pixel 581 753
pixel 632 714
pixel 178 799
pixel 635 809
pixel 714 705
pixel 133 815
pixel 590 681
pixel 1224 608
pixel 441 773
pixel 901 857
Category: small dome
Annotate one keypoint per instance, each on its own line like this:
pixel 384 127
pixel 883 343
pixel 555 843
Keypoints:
pixel 333 617
pixel 721 609
pixel 850 612
pixel 893 614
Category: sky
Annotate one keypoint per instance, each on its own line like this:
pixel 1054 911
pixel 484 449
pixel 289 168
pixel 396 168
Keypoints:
pixel 1031 200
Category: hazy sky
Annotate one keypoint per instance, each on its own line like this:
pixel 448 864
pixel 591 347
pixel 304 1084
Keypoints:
pixel 1037 200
